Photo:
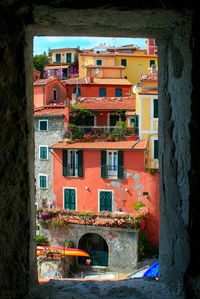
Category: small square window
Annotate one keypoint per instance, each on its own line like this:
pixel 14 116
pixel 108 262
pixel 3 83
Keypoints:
pixel 102 92
pixel 123 62
pixel 43 125
pixel 118 92
pixel 98 62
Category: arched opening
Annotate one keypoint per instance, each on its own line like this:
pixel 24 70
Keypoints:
pixel 97 247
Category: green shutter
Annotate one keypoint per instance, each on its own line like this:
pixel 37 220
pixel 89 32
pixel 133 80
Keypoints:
pixel 70 199
pixel 103 165
pixel 155 108
pixel 120 164
pixel 106 201
pixel 64 162
pixel 68 58
pixel 80 163
pixel 155 149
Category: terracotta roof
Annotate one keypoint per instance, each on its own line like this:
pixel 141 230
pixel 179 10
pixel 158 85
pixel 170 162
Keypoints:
pixel 125 145
pixel 65 49
pixel 44 81
pixel 83 80
pixel 153 92
pixel 106 103
pixel 49 110
pixel 88 80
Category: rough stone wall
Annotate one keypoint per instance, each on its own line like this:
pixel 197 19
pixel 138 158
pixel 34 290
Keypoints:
pixel 122 243
pixel 19 21
pixel 53 135
pixel 174 144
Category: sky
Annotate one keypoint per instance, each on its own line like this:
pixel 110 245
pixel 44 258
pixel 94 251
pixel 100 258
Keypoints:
pixel 43 43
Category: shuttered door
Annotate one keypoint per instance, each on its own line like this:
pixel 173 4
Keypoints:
pixel 70 199
pixel 105 201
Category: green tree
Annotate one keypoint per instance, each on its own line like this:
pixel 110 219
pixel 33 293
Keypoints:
pixel 39 61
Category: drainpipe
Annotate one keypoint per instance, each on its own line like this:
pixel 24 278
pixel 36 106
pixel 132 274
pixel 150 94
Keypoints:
pixel 66 114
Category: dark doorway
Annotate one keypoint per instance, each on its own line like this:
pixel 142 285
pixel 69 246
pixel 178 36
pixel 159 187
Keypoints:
pixel 97 247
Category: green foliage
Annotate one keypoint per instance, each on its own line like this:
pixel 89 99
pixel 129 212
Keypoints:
pixel 39 61
pixel 138 205
pixel 41 240
pixel 145 247
pixel 78 116
pixel 69 244
pixel 76 133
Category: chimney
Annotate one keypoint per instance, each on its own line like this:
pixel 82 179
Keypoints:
pixel 91 80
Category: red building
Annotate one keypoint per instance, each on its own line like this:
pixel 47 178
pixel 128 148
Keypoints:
pixel 48 91
pixel 152 49
pixel 105 176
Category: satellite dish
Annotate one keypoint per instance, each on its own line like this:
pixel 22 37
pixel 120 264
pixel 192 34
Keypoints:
pixel 96 71
pixel 134 89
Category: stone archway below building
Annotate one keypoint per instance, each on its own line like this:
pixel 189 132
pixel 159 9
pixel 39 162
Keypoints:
pixel 97 247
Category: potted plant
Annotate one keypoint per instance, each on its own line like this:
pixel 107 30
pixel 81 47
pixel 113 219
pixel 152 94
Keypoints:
pixel 69 244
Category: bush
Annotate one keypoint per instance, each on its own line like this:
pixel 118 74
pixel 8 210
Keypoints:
pixel 145 247
pixel 41 240
pixel 69 244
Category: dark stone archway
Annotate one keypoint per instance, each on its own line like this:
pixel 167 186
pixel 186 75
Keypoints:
pixel 97 247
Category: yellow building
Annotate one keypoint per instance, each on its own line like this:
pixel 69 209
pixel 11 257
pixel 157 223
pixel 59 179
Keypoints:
pixel 135 64
pixel 62 61
pixel 147 116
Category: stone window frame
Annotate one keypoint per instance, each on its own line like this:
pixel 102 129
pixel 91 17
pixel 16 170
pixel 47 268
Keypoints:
pixel 46 146
pixel 44 175
pixel 40 120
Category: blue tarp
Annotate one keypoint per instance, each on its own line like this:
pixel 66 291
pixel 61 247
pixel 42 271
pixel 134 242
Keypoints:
pixel 152 271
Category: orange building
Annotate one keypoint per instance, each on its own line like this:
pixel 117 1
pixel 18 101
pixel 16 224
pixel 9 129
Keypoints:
pixel 105 176
pixel 48 91
pixel 97 87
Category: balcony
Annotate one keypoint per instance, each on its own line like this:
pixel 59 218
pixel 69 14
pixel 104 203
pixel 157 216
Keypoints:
pixel 101 133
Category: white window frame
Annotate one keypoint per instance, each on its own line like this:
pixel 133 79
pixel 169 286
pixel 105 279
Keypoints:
pixel 40 120
pixel 69 162
pixel 103 190
pixel 76 201
pixel 47 152
pixel 43 174
pixel 113 173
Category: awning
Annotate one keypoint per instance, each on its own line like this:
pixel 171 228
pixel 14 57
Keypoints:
pixel 44 250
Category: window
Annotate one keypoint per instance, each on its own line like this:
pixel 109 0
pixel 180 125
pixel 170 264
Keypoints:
pixel 123 62
pixel 43 181
pixel 102 92
pixel 155 108
pixel 68 57
pixel 58 57
pixel 43 152
pixel 54 95
pixel 70 199
pixel 98 62
pixel 72 163
pixel 155 154
pixel 105 201
pixel 152 62
pixel 118 92
pixel 112 164
pixel 43 125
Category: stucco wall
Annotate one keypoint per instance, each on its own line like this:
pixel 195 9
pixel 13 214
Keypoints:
pixel 122 243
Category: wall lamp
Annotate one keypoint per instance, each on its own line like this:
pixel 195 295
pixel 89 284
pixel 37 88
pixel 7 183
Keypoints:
pixel 126 189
